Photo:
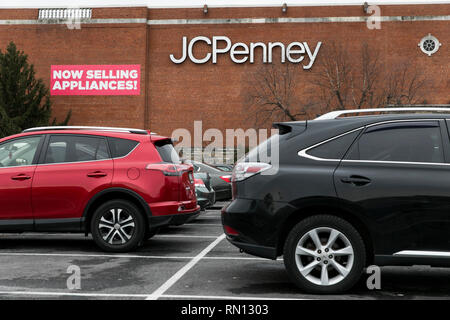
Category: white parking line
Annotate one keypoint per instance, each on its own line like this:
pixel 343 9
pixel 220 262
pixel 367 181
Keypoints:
pixel 134 295
pixel 183 236
pixel 210 217
pixel 205 224
pixel 169 283
pixel 122 256
pixel 21 236
pixel 241 258
pixel 73 294
pixel 40 234
pixel 87 255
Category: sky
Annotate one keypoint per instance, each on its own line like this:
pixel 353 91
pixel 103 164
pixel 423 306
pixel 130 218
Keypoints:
pixel 192 3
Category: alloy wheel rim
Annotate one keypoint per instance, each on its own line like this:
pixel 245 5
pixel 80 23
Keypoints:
pixel 324 256
pixel 116 226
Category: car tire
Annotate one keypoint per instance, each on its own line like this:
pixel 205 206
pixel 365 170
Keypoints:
pixel 336 266
pixel 117 226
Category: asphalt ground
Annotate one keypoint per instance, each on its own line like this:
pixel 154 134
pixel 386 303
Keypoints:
pixel 193 261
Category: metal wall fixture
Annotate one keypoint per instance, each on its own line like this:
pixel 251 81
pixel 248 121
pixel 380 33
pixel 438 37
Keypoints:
pixel 284 8
pixel 64 14
pixel 205 9
pixel 429 44
pixel 366 7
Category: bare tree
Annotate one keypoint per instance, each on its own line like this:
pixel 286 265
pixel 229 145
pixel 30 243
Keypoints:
pixel 403 85
pixel 339 80
pixel 345 82
pixel 271 93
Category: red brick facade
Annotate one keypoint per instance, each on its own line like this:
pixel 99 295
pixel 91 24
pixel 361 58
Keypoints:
pixel 174 95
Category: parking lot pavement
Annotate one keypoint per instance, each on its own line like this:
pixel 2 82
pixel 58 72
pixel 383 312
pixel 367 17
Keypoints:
pixel 192 261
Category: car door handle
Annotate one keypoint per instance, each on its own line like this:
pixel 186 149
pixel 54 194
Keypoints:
pixel 21 177
pixel 356 180
pixel 97 174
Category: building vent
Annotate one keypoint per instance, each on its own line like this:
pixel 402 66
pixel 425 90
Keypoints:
pixel 429 44
pixel 65 14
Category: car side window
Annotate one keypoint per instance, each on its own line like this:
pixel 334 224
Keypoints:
pixel 18 152
pixel 121 147
pixel 403 142
pixel 73 148
pixel 334 149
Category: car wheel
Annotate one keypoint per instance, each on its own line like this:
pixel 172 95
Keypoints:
pixel 117 226
pixel 324 254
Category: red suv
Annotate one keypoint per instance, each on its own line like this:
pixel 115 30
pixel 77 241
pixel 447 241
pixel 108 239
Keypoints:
pixel 120 185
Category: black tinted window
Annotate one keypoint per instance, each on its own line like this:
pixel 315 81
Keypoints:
pixel 409 142
pixel 167 151
pixel 121 147
pixel 334 149
pixel 74 148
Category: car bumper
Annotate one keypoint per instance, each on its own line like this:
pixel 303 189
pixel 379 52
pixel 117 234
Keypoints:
pixel 205 198
pixel 253 249
pixel 254 226
pixel 172 219
pixel 223 194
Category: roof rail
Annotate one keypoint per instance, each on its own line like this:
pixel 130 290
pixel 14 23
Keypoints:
pixel 338 113
pixel 113 129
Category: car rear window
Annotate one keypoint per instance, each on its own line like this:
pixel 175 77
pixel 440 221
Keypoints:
pixel 167 151
pixel 121 147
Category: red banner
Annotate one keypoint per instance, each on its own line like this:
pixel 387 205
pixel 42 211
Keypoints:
pixel 104 80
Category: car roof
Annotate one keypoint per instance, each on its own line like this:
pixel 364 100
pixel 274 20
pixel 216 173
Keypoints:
pixel 307 133
pixel 409 109
pixel 370 119
pixel 123 133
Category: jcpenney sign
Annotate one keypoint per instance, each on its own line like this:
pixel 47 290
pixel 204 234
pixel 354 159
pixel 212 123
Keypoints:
pixel 294 52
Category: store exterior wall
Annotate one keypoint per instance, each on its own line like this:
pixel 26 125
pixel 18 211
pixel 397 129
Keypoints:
pixel 174 95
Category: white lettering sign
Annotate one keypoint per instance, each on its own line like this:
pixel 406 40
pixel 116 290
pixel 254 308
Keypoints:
pixel 239 52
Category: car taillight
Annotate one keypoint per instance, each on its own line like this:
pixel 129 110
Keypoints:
pixel 226 178
pixel 245 170
pixel 199 183
pixel 230 231
pixel 166 169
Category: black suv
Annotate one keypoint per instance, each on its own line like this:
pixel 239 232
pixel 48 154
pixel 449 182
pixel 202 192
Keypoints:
pixel 336 194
